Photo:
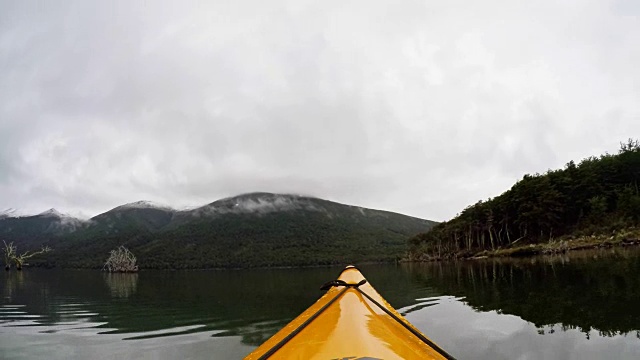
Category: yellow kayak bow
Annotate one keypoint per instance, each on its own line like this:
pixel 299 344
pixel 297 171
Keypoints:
pixel 350 321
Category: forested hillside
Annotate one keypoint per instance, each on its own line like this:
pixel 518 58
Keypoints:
pixel 251 230
pixel 598 196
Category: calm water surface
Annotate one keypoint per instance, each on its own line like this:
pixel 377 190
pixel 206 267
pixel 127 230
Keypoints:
pixel 582 306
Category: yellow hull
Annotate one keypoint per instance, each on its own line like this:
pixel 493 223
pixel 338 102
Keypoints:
pixel 349 321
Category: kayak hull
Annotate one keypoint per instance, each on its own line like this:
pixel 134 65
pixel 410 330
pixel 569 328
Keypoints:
pixel 349 322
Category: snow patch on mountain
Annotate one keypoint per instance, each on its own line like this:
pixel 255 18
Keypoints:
pixel 63 221
pixel 9 213
pixel 143 204
pixel 52 213
pixel 257 204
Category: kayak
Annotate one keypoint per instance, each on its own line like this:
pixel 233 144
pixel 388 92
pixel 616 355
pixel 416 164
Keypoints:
pixel 350 321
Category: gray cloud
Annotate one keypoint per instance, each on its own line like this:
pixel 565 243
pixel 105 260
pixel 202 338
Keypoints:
pixel 422 108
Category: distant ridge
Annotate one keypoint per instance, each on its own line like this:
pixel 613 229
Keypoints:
pixel 250 230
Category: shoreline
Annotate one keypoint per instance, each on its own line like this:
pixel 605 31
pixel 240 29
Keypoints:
pixel 280 267
pixel 558 247
pixel 629 237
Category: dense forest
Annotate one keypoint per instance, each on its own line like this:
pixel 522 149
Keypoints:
pixel 598 196
pixel 296 238
pixel 251 230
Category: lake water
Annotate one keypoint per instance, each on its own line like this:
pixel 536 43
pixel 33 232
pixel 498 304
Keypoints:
pixel 582 306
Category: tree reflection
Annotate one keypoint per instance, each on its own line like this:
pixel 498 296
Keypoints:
pixel 574 291
pixel 13 281
pixel 122 285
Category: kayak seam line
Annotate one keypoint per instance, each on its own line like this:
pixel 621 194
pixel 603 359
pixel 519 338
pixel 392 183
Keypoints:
pixel 412 330
pixel 301 327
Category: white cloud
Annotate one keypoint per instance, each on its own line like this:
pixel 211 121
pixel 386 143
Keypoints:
pixel 421 108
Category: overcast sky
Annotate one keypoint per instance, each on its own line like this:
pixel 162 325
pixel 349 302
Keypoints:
pixel 416 106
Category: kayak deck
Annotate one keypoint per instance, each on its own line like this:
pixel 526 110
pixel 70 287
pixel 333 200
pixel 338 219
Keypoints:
pixel 349 322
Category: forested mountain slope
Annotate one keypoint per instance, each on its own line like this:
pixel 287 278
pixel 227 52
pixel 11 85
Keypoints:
pixel 600 195
pixel 252 230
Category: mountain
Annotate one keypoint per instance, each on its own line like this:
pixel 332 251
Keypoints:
pixel 37 228
pixel 250 230
pixel 138 216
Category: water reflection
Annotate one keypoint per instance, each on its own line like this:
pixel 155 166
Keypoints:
pixel 586 298
pixel 250 304
pixel 122 285
pixel 591 290
pixel 13 281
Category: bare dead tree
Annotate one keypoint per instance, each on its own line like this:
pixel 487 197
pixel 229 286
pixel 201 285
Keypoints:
pixel 20 259
pixel 9 252
pixel 11 255
pixel 120 260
